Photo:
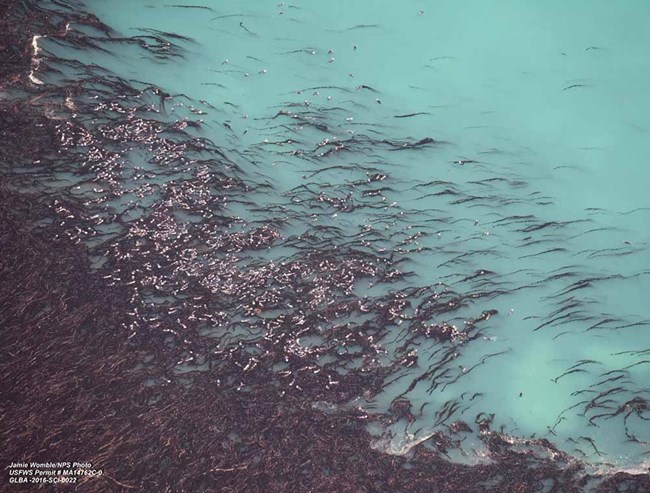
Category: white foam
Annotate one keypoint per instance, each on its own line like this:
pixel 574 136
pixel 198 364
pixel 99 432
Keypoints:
pixel 36 61
pixel 400 444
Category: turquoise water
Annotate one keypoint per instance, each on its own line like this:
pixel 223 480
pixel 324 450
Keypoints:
pixel 546 102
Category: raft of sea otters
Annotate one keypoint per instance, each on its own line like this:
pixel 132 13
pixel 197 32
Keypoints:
pixel 178 346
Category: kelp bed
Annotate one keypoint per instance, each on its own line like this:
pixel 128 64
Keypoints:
pixel 146 331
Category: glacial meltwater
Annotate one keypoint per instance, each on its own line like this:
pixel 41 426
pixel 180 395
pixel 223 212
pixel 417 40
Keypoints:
pixel 430 217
